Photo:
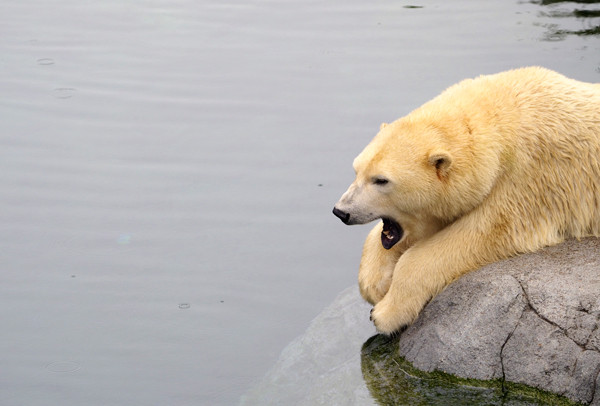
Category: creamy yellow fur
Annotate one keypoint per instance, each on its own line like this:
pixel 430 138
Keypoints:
pixel 494 166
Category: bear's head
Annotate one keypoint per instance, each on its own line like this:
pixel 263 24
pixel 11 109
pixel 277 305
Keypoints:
pixel 401 178
pixel 431 167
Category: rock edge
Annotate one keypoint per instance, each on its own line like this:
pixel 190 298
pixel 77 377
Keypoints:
pixel 533 319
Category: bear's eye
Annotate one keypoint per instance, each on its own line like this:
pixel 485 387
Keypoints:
pixel 380 181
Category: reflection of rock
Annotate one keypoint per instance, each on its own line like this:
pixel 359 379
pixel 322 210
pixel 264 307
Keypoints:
pixel 322 367
pixel 569 19
pixel 533 319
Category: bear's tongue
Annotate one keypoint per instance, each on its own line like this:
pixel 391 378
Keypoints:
pixel 391 234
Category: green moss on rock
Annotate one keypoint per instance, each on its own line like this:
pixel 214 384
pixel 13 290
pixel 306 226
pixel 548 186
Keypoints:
pixel 394 381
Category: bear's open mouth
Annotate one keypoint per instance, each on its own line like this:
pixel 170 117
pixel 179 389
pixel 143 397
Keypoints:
pixel 391 234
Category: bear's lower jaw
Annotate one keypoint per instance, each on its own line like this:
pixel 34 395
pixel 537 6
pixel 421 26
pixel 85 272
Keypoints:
pixel 391 234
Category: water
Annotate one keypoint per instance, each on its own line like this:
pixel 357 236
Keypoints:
pixel 168 169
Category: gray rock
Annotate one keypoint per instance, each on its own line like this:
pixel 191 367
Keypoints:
pixel 533 319
pixel 541 355
pixel 454 334
pixel 596 400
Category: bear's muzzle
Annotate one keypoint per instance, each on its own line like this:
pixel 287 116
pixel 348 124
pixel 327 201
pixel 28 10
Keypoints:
pixel 345 217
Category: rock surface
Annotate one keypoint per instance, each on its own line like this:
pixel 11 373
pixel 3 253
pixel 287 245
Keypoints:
pixel 533 319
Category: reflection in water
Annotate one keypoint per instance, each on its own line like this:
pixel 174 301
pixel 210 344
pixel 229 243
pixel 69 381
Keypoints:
pixel 586 17
pixel 155 153
pixel 63 366
pixel 45 61
pixel 64 92
pixel 547 2
pixel 394 381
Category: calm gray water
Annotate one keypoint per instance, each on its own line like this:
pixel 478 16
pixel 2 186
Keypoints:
pixel 167 171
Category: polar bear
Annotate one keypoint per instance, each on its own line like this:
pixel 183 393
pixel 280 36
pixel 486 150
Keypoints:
pixel 494 166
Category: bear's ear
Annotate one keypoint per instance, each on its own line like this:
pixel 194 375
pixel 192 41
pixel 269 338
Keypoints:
pixel 441 161
pixel 382 126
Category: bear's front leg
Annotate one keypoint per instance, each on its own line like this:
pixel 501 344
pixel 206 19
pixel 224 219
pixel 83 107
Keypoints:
pixel 403 301
pixel 377 266
pixel 429 266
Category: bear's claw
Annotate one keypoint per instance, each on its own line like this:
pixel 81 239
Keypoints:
pixel 389 319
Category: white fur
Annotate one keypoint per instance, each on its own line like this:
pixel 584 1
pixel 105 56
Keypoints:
pixel 494 166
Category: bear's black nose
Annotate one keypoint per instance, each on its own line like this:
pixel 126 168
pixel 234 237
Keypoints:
pixel 345 217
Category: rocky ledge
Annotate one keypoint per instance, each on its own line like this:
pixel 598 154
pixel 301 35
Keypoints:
pixel 533 319
pixel 516 332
